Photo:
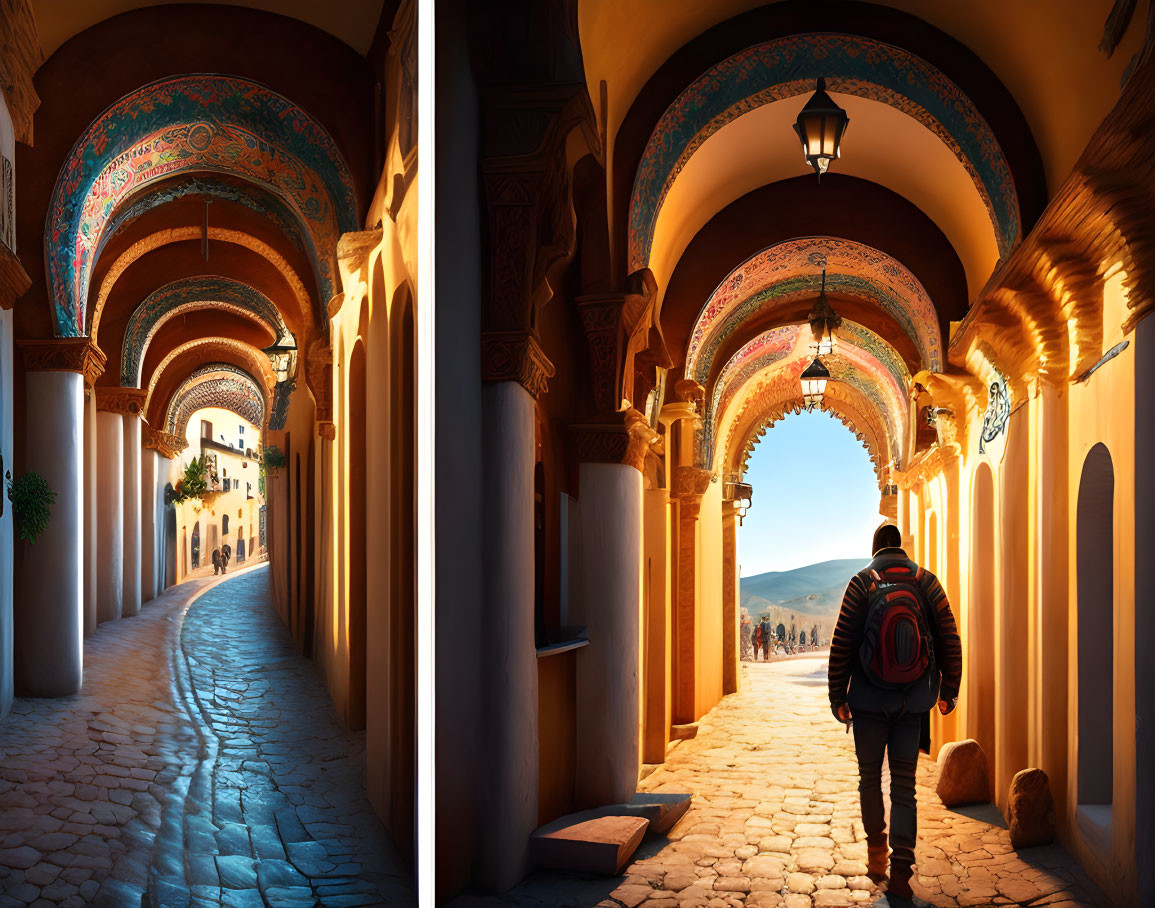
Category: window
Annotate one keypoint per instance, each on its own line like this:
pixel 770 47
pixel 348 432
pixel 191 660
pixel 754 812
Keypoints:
pixel 225 523
pixel 206 429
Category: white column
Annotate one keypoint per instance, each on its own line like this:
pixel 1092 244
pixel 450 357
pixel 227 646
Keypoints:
pixel 150 520
pixel 607 670
pixel 91 546
pixel 132 518
pixel 509 653
pixel 48 657
pixel 109 515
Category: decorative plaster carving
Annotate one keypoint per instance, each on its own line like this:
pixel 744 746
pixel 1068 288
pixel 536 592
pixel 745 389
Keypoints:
pixel 20 57
pixel 319 375
pixel 326 429
pixel 516 356
pixel 72 354
pixel 14 280
pixel 129 401
pixel 166 443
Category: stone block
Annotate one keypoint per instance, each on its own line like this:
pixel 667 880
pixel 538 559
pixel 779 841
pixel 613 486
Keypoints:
pixel 962 774
pixel 1031 809
pixel 601 845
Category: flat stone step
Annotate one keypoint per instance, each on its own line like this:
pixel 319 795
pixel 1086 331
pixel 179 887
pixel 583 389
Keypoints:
pixel 601 845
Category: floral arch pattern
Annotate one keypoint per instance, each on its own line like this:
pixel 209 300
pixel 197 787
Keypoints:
pixel 199 292
pixel 181 125
pixel 216 385
pixel 791 270
pixel 787 67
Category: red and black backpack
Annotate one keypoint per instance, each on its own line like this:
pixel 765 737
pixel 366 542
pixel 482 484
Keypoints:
pixel 897 647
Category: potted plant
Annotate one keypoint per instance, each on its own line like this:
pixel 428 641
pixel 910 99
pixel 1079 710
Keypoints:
pixel 32 502
pixel 191 485
pixel 273 458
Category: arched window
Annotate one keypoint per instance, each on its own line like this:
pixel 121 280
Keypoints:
pixel 225 525
pixel 1095 570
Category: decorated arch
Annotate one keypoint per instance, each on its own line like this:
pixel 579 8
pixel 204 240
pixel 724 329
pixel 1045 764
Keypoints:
pixel 788 67
pixel 204 291
pixel 216 385
pixel 201 123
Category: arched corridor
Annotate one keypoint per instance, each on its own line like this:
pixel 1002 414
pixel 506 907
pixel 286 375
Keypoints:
pixel 775 821
pixel 203 755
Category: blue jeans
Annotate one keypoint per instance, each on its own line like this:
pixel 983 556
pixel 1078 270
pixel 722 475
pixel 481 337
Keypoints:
pixel 898 736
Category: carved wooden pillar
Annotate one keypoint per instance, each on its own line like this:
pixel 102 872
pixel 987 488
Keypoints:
pixel 49 614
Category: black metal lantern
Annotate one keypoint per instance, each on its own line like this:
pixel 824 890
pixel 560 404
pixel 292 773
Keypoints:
pixel 823 320
pixel 820 126
pixel 814 380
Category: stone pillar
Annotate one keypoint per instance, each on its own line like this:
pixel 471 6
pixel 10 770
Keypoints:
pixel 509 651
pixel 91 508
pixel 730 611
pixel 689 486
pixel 49 621
pixel 150 518
pixel 132 516
pixel 109 515
pixel 611 459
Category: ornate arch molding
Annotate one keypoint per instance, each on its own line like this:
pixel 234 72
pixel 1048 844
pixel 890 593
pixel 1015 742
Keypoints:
pixel 216 385
pixel 791 270
pixel 787 67
pixel 181 125
pixel 950 61
pixel 256 363
pixel 205 291
pixel 184 234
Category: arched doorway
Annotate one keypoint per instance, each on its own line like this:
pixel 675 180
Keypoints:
pixel 981 699
pixel 196 545
pixel 1095 645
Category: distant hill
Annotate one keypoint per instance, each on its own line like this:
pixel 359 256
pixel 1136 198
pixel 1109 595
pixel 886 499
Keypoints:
pixel 815 590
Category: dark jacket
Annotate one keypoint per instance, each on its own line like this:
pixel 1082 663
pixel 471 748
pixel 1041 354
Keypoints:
pixel 216 557
pixel 847 683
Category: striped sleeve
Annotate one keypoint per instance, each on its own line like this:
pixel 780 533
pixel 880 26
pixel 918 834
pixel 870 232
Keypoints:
pixel 846 634
pixel 949 654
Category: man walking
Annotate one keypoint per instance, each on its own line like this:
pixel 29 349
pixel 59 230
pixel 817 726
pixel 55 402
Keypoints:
pixel 216 561
pixel 895 651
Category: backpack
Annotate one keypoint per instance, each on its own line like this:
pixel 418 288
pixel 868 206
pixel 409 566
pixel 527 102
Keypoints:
pixel 897 648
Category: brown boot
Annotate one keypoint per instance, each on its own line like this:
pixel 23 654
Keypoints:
pixel 876 855
pixel 898 891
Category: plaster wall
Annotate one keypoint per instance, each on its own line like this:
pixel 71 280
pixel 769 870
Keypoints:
pixel 1102 410
pixel 657 642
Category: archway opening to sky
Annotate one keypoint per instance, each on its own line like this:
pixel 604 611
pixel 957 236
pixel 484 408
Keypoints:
pixel 815 509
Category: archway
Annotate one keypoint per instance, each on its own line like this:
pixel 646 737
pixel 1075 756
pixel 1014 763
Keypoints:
pixel 1095 591
pixel 983 584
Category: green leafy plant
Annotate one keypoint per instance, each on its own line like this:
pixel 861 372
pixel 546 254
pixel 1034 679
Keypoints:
pixel 272 459
pixel 32 502
pixel 191 485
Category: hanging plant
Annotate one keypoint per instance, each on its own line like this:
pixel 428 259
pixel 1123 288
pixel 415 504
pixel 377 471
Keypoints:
pixel 32 502
pixel 191 485
pixel 272 459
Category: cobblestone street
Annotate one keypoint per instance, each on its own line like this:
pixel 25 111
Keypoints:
pixel 201 766
pixel 775 822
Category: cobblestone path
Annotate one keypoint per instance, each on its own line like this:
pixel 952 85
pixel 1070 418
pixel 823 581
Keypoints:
pixel 203 767
pixel 775 822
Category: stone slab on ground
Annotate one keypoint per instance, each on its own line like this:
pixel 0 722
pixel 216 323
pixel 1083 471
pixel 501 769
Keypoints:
pixel 600 845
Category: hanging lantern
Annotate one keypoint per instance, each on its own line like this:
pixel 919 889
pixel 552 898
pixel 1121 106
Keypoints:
pixel 283 357
pixel 814 381
pixel 820 126
pixel 823 320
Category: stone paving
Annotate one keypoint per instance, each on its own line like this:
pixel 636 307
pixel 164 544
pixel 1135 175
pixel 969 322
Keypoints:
pixel 775 822
pixel 202 764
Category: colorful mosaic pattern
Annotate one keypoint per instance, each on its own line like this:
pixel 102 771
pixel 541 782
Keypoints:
pixel 216 385
pixel 866 361
pixel 787 67
pixel 185 124
pixel 787 272
pixel 206 291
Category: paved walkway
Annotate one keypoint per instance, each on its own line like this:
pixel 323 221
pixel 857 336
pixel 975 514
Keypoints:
pixel 202 764
pixel 775 822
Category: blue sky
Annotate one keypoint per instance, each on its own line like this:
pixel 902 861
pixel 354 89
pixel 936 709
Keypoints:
pixel 815 496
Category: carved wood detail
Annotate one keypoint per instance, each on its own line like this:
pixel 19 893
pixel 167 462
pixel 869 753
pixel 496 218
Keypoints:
pixel 129 401
pixel 64 354
pixel 516 356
